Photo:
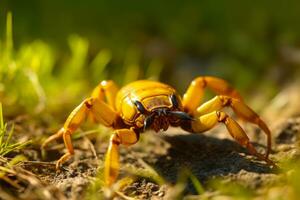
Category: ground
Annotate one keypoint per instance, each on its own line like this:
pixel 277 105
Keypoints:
pixel 164 162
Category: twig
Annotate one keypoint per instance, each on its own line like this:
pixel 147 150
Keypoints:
pixel 92 147
pixel 37 162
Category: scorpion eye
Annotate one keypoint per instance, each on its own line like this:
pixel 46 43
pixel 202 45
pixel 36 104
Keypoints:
pixel 140 107
pixel 174 100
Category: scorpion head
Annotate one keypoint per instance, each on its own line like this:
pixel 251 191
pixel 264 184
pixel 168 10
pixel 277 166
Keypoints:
pixel 161 118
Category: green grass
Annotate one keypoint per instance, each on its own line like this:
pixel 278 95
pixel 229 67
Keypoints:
pixel 6 145
pixel 36 77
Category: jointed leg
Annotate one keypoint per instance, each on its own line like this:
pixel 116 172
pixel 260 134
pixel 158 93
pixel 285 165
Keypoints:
pixel 112 165
pixel 52 137
pixel 195 92
pixel 68 144
pixel 106 89
pixel 241 109
pixel 209 120
pixel 100 111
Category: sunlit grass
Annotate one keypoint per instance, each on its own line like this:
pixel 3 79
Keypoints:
pixel 20 83
pixel 35 78
pixel 95 188
pixel 6 145
pixel 231 189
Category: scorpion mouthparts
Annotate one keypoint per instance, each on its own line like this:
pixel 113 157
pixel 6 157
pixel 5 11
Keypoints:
pixel 181 115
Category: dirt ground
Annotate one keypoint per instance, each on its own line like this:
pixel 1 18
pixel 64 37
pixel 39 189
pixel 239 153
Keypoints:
pixel 208 156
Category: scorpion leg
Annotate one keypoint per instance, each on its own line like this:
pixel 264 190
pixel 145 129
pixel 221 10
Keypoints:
pixel 208 121
pixel 68 144
pixel 112 165
pixel 242 111
pixel 195 92
pixel 108 89
pixel 100 111
pixel 52 137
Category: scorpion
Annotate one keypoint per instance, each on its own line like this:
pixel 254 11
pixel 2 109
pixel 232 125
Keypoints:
pixel 147 104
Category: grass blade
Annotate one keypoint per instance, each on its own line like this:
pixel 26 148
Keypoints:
pixel 9 136
pixel 1 118
pixel 197 185
pixel 9 33
pixel 1 125
pixel 5 146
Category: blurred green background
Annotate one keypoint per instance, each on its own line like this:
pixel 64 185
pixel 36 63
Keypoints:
pixel 58 51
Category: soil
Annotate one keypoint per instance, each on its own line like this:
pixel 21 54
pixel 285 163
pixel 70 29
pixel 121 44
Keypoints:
pixel 213 155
